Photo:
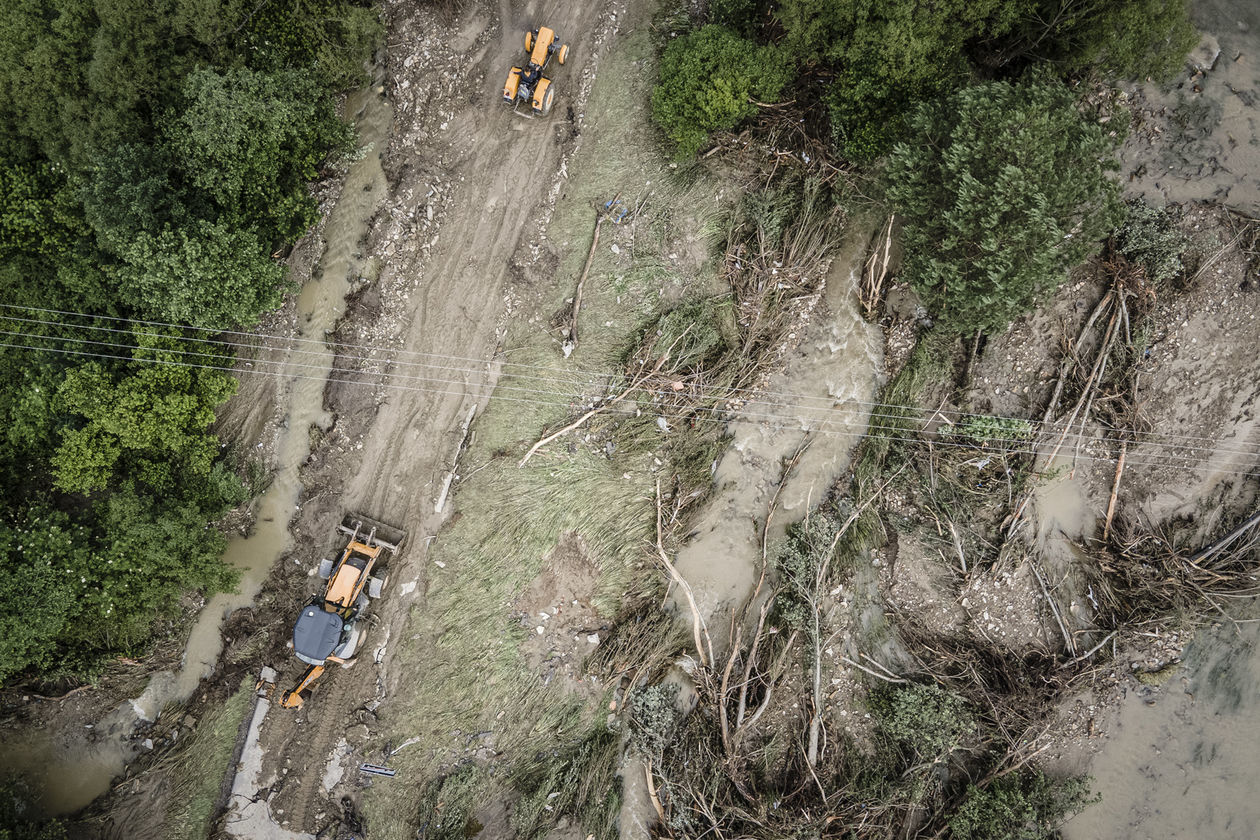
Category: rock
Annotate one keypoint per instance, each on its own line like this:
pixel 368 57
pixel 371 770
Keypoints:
pixel 357 735
pixel 1204 56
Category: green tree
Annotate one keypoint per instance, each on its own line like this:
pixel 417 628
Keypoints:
pixel 1002 188
pixel 1120 38
pixel 154 421
pixel 39 588
pixel 333 38
pixel 886 57
pixel 252 140
pixel 207 274
pixel 18 815
pixel 130 190
pixel 149 549
pixel 710 80
pixel 38 211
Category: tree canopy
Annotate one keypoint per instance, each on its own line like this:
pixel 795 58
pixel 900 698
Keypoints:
pixel 710 80
pixel 868 63
pixel 154 154
pixel 1002 188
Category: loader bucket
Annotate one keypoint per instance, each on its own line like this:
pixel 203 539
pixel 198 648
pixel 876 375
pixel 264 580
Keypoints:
pixel 372 531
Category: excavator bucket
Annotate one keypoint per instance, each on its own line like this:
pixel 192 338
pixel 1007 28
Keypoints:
pixel 372 532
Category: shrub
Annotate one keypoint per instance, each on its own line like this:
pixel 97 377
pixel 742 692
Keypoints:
pixel 926 721
pixel 985 430
pixel 1027 806
pixel 1002 187
pixel 797 561
pixel 1149 237
pixel 710 80
pixel 653 720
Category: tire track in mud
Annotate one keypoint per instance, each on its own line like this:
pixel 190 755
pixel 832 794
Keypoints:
pixel 503 172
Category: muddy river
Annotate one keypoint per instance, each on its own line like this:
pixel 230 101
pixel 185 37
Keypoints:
pixel 72 769
pixel 1181 760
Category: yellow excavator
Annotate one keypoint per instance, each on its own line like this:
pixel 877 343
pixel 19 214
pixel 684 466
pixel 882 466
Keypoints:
pixel 527 84
pixel 328 630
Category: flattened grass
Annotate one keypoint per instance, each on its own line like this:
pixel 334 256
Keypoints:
pixel 198 776
pixel 468 685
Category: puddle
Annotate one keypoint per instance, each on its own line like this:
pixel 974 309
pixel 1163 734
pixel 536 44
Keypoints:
pixel 72 770
pixel 1181 760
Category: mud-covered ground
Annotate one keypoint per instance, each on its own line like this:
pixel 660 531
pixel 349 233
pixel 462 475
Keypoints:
pixel 461 243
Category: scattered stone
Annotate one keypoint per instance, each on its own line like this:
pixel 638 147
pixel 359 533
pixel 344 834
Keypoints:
pixel 1204 56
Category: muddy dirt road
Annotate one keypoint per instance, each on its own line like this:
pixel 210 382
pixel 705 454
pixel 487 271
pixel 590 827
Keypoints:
pixel 471 187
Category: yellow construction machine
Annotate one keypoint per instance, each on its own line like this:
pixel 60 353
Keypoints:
pixel 329 628
pixel 527 84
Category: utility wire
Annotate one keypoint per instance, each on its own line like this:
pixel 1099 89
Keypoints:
pixel 769 398
pixel 826 426
pixel 1166 443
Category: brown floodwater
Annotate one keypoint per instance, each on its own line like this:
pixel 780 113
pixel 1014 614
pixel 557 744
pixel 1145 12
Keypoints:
pixel 1181 760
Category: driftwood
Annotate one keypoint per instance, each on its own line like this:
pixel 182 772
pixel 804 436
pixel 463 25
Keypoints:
pixel 873 278
pixel 571 331
pixel 1115 489
pixel 602 407
pixel 698 627
pixel 459 450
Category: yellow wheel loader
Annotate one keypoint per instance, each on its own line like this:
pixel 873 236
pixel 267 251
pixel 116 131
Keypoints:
pixel 527 84
pixel 329 628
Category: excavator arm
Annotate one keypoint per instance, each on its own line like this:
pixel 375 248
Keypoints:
pixel 294 698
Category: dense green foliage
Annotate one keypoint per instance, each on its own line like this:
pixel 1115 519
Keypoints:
pixel 710 80
pixel 1002 188
pixel 153 155
pixel 886 56
pixel 1024 806
pixel 869 62
pixel 1121 38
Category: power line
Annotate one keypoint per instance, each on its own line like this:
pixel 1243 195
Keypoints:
pixel 1140 461
pixel 591 381
pixel 1161 442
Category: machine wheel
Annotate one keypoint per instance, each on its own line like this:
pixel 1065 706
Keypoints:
pixel 563 54
pixel 376 586
pixel 325 569
pixel 546 103
pixel 529 40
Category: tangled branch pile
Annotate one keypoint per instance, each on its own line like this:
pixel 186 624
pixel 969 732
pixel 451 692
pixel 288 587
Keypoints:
pixel 778 250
